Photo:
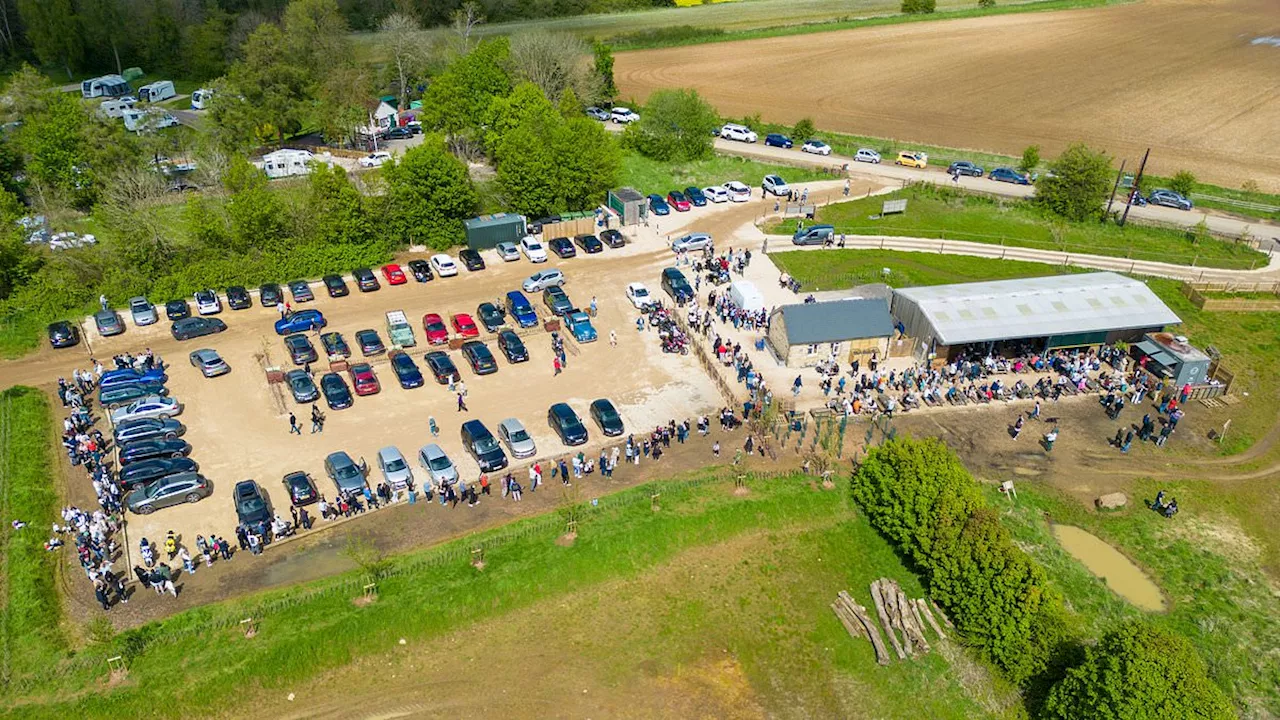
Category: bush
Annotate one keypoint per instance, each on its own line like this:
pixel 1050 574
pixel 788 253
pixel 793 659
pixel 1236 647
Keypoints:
pixel 1030 155
pixel 657 37
pixel 1183 183
pixel 675 125
pixel 919 7
pixel 1078 184
pixel 986 3
pixel 804 131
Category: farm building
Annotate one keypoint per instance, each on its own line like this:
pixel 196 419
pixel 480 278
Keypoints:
pixel 383 115
pixel 1028 314
pixel 810 333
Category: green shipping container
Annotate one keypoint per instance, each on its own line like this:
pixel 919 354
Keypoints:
pixel 487 231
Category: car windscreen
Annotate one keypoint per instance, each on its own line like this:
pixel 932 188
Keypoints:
pixel 395 465
pixel 439 462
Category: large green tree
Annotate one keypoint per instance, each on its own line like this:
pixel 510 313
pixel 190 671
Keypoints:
pixel 264 95
pixel 69 151
pixel 258 218
pixel 603 67
pixel 675 125
pixel 335 210
pixel 53 29
pixel 315 36
pixel 429 194
pixel 460 97
pixel 1077 184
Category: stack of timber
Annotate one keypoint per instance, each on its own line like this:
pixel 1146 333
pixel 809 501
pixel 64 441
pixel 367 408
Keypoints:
pixel 904 620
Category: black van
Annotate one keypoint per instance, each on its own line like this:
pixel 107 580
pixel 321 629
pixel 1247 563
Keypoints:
pixel 483 446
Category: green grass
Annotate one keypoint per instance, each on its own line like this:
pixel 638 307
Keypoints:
pixel 652 176
pixel 835 269
pixel 954 215
pixel 1213 196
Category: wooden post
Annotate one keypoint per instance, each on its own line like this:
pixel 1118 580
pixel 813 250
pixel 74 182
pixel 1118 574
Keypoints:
pixel 477 557
pixel 945 620
pixel 928 615
pixel 871 631
pixel 371 591
pixel 884 619
pixel 250 627
pixel 653 501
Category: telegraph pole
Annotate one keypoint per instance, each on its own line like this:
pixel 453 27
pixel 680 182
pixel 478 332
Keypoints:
pixel 1137 183
pixel 1115 187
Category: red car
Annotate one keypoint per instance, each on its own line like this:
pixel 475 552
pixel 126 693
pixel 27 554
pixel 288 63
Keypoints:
pixel 677 200
pixel 465 326
pixel 393 274
pixel 363 379
pixel 437 333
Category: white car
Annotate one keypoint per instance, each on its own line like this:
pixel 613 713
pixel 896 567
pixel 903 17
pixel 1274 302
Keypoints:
pixel 774 184
pixel 692 241
pixel 438 465
pixel 716 194
pixel 207 302
pixel 738 192
pixel 533 249
pixel 542 280
pixel 817 147
pixel 375 159
pixel 740 133
pixel 444 265
pixel 166 121
pixel 639 295
pixel 151 406
pixel 867 155
pixel 508 251
pixel 622 115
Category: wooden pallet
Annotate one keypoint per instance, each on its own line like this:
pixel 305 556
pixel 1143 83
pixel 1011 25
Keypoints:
pixel 1212 402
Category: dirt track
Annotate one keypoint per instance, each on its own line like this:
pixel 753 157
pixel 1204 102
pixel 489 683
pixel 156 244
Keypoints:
pixel 1181 77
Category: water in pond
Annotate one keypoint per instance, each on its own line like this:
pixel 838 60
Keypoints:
pixel 1122 576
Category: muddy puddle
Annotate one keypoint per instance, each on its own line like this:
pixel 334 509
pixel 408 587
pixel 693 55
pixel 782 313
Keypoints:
pixel 1121 575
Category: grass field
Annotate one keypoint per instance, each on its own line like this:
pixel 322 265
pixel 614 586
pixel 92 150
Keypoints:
pixel 652 176
pixel 948 214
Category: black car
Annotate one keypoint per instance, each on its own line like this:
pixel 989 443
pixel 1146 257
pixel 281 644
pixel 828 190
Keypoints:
pixel 483 446
pixel 370 343
pixel 154 448
pixel 512 346
pixel 335 344
pixel 238 298
pixel 557 300
pixel 300 488
pixel 562 247
pixel 336 286
pixel 676 285
pixel 480 357
pixel 695 196
pixel 471 259
pixel 145 471
pixel 270 295
pixel 147 429
pixel 441 366
pixel 421 270
pixel 964 167
pixel 613 238
pixel 335 390
pixel 491 316
pixel 251 504
pixel 177 309
pixel 406 370
pixel 366 281
pixel 63 334
pixel 195 327
pixel 607 417
pixel 399 133
pixel 590 244
pixel 301 351
pixel 567 424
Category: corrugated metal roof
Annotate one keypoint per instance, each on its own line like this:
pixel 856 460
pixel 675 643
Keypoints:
pixel 1038 307
pixel 836 321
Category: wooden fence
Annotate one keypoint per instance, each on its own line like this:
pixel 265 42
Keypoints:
pixel 1195 292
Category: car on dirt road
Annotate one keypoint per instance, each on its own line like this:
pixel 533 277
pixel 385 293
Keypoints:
pixel 207 302
pixel 437 465
pixel 557 300
pixel 336 286
pixel 300 321
pixel 444 265
pixel 513 433
pixel 542 280
pixel 143 312
pixel 867 155
pixel 964 167
pixel 238 298
pixel 775 185
pixel 512 346
pixel 579 326
pixel 482 446
pixel 369 342
pixel 335 345
pixel 1009 175
pixel 301 291
pixel 479 357
pixel 533 249
pixel 375 159
pixel 336 393
pixel 441 366
pixel 209 362
pixel 148 429
pixel 716 194
pixel 658 205
pixel 464 326
pixel 677 200
pixel 108 323
pixel 622 115
pixel 63 334
pixel 695 196
pixel 614 239
pixel 562 247
pixel 738 192
pixel 1169 198
pixel 912 159
pixel 177 309
pixel 521 310
pixel 125 376
pixel 406 370
pixel 491 316
pixel 590 244
pixel 300 488
pixel 639 295
pixel 366 281
pixel 195 327
pixel 567 424
pixel 364 379
pixel 676 285
pixel 816 147
pixel 270 295
pixel 301 386
pixel 395 471
pixel 176 489
pixel 607 417
pixel 778 140
pixel 250 503
pixel 300 349
pixel 155 447
pixel 434 327
pixel 152 406
pixel 421 270
pixel 344 472
pixel 691 242
pixel 507 251
pixel 738 133
pixel 471 260
pixel 393 274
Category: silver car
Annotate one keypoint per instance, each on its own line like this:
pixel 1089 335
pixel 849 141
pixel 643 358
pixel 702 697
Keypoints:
pixel 209 362
pixel 437 464
pixel 508 251
pixel 144 313
pixel 183 487
pixel 542 280
pixel 517 438
pixel 395 471
pixel 108 323
pixel 302 386
pixel 151 406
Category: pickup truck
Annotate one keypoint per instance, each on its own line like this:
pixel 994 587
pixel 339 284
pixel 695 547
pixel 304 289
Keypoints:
pixel 399 330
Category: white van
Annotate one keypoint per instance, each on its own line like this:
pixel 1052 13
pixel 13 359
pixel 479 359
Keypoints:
pixel 157 91
pixel 200 98
pixel 115 108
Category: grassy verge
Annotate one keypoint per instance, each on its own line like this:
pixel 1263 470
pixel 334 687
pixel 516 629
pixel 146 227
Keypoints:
pixel 652 176
pixel 833 269
pixel 954 215
pixel 817 545
pixel 1220 198
pixel 29 618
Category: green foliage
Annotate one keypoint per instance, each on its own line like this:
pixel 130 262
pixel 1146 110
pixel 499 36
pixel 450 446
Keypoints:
pixel 569 105
pixel 1183 182
pixel 429 195
pixel 525 106
pixel 206 50
pixel 1138 671
pixel 460 97
pixel 603 66
pixel 1077 185
pixel 336 210
pixel 52 31
pixel 1030 158
pixel 663 36
pixel 919 7
pixel 18 261
pixel 256 214
pixel 674 125
pixel 68 150
pixel 986 3
pixel 803 131
pixel 263 95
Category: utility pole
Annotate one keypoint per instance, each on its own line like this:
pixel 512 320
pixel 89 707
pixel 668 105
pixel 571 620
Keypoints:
pixel 1137 183
pixel 1115 187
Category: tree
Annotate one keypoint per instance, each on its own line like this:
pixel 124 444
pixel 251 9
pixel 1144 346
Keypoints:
pixel 335 208
pixel 342 102
pixel 139 239
pixel 1138 671
pixel 315 37
pixel 256 215
pixel 18 262
pixel 1077 185
pixel 526 106
pixel 263 94
pixel 1183 183
pixel 405 40
pixel 986 3
pixel 465 20
pixel 104 25
pixel 555 62
pixel 675 125
pixel 1030 158
pixel 550 164
pixel 804 130
pixel 206 45
pixel 460 97
pixel 429 195
pixel 59 160
pixel 569 104
pixel 159 39
pixel 919 7
pixel 53 29
pixel 603 67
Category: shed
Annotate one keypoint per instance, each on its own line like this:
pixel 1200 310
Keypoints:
pixel 810 333
pixel 629 205
pixel 1170 356
pixel 487 231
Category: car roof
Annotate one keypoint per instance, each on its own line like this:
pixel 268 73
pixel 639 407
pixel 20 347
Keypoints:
pixel 433 449
pixel 563 410
pixel 340 456
pixel 602 403
pixel 391 451
pixel 511 424
pixel 517 295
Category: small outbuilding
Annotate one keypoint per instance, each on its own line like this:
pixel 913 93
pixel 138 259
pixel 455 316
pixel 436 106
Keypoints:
pixel 811 333
pixel 629 205
pixel 1170 356
pixel 487 231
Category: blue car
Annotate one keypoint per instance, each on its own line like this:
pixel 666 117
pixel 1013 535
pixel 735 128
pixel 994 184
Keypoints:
pixel 406 370
pixel 695 196
pixel 519 308
pixel 658 205
pixel 129 376
pixel 1009 175
pixel 300 321
pixel 579 325
pixel 777 140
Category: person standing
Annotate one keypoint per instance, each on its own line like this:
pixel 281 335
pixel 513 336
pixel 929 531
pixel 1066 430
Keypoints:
pixel 462 403
pixel 317 422
pixel 100 592
pixel 555 364
pixel 715 448
pixel 613 338
pixel 293 424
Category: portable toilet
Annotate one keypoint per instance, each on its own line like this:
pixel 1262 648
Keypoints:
pixel 156 91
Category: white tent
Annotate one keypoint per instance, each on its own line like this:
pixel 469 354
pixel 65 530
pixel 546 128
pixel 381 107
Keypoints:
pixel 746 295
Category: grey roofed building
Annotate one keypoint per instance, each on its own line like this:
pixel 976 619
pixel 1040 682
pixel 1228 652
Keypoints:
pixel 835 321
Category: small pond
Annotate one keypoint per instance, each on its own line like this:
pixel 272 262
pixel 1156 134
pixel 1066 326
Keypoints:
pixel 1121 575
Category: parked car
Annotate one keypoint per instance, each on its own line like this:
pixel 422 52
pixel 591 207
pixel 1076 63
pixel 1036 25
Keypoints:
pixel 1169 198
pixel 964 167
pixel 774 184
pixel 251 504
pixel 816 147
pixel 512 346
pixel 207 302
pixel 557 300
pixel 395 471
pixel 143 312
pixel 542 280
pixel 421 270
pixel 579 326
pixel 375 159
pixel 336 393
pixel 238 298
pixel 479 357
pixel 152 406
pixel 393 274
pixel 443 265
pixel 300 488
pixel 300 321
pixel 639 295
pixel 364 380
pixel 691 242
pixel 270 295
pixel 483 446
pixel 658 205
pixel 567 424
pixel 677 200
pixel 676 285
pixel 399 133
pixel 369 342
pixel 517 438
pixel 155 447
pixel 366 281
pixel 739 133
pixel 607 417
pixel 695 196
pixel 335 345
pixel 300 349
pixel 596 113
pixel 507 251
pixel 491 316
pixel 867 155
pixel 177 309
pixel 778 140
pixel 562 247
pixel 301 291
pixel 521 310
pixel 344 472
pixel 187 487
pixel 1009 175
pixel 146 471
pixel 336 286
pixel 108 323
pixel 471 260
pixel 716 194
pixel 118 396
pixel 441 366
pixel 738 192
pixel 464 326
pixel 437 465
pixel 614 239
pixel 132 375
pixel 433 326
pixel 622 115
pixel 63 334
pixel 533 249
pixel 813 235
pixel 590 244
pixel 301 386
pixel 406 370
pixel 195 327
pixel 209 362
pixel 148 429
pixel 912 159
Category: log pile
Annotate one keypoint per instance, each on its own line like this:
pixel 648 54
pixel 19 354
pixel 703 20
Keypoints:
pixel 903 618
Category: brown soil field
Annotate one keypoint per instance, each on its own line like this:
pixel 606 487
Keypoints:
pixel 1181 77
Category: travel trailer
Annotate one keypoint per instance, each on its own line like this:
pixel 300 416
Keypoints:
pixel 156 91
pixel 115 108
pixel 200 98
pixel 105 86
